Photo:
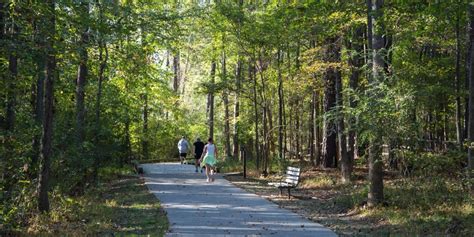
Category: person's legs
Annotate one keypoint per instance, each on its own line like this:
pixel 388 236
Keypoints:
pixel 207 173
pixel 196 164
pixel 211 172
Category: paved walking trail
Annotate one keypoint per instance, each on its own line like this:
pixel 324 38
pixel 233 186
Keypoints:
pixel 197 208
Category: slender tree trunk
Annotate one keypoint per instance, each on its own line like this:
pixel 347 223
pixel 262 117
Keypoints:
pixel 238 76
pixel 280 107
pixel 39 93
pixel 346 163
pixel 176 71
pixel 329 149
pixel 47 134
pixel 264 120
pixel 82 78
pixel 103 64
pixel 470 69
pixel 238 79
pixel 145 142
pixel 375 194
pixel 253 77
pixel 356 62
pixel 211 100
pixel 225 98
pixel 312 127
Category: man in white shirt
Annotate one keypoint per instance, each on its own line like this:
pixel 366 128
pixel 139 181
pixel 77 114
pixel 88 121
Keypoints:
pixel 183 147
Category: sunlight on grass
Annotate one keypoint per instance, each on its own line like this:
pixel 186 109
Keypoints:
pixel 318 182
pixel 121 206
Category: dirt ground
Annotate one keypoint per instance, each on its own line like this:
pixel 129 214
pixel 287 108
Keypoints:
pixel 332 207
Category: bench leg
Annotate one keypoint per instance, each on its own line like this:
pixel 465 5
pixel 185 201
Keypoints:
pixel 289 193
pixel 281 191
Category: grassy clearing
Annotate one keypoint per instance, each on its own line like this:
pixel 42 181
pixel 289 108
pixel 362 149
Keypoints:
pixel 121 205
pixel 429 204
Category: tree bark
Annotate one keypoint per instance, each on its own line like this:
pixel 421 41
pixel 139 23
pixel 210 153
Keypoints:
pixel 145 143
pixel 47 131
pixel 356 62
pixel 346 163
pixel 253 77
pixel 102 66
pixel 225 98
pixel 176 71
pixel 375 195
pixel 82 77
pixel 211 100
pixel 470 69
pixel 280 107
pixel 235 136
pixel 329 149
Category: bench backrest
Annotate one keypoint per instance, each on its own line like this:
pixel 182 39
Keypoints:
pixel 292 175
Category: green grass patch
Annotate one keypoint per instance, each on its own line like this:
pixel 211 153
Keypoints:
pixel 121 204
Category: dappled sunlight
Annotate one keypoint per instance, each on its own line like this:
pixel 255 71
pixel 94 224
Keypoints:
pixel 219 207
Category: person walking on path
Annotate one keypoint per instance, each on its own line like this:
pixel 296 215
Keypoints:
pixel 198 149
pixel 209 159
pixel 183 147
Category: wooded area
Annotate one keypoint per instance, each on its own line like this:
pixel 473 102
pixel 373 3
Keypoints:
pixel 91 84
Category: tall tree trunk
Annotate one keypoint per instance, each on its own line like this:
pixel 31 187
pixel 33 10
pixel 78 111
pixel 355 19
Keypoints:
pixel 375 194
pixel 459 137
pixel 329 148
pixel 264 119
pixel 225 98
pixel 145 142
pixel 103 64
pixel 211 100
pixel 280 107
pixel 312 118
pixel 470 69
pixel 176 71
pixel 39 93
pixel 356 62
pixel 253 77
pixel 346 163
pixel 47 134
pixel 238 79
pixel 82 77
pixel 235 136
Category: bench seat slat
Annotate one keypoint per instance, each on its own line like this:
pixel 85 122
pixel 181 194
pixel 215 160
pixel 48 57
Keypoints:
pixel 293 169
pixel 293 173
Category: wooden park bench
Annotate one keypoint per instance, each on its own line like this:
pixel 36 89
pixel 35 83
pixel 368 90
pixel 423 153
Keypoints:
pixel 289 181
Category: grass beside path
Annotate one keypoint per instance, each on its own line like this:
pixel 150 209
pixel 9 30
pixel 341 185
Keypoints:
pixel 121 205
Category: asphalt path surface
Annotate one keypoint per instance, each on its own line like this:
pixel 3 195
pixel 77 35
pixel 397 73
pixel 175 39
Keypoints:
pixel 197 208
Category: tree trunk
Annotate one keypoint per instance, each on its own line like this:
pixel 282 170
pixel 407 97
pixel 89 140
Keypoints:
pixel 47 131
pixel 280 107
pixel 356 62
pixel 103 64
pixel 470 69
pixel 225 98
pixel 238 76
pixel 238 79
pixel 82 78
pixel 145 142
pixel 264 119
pixel 375 195
pixel 211 100
pixel 346 163
pixel 329 149
pixel 176 77
pixel 253 77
